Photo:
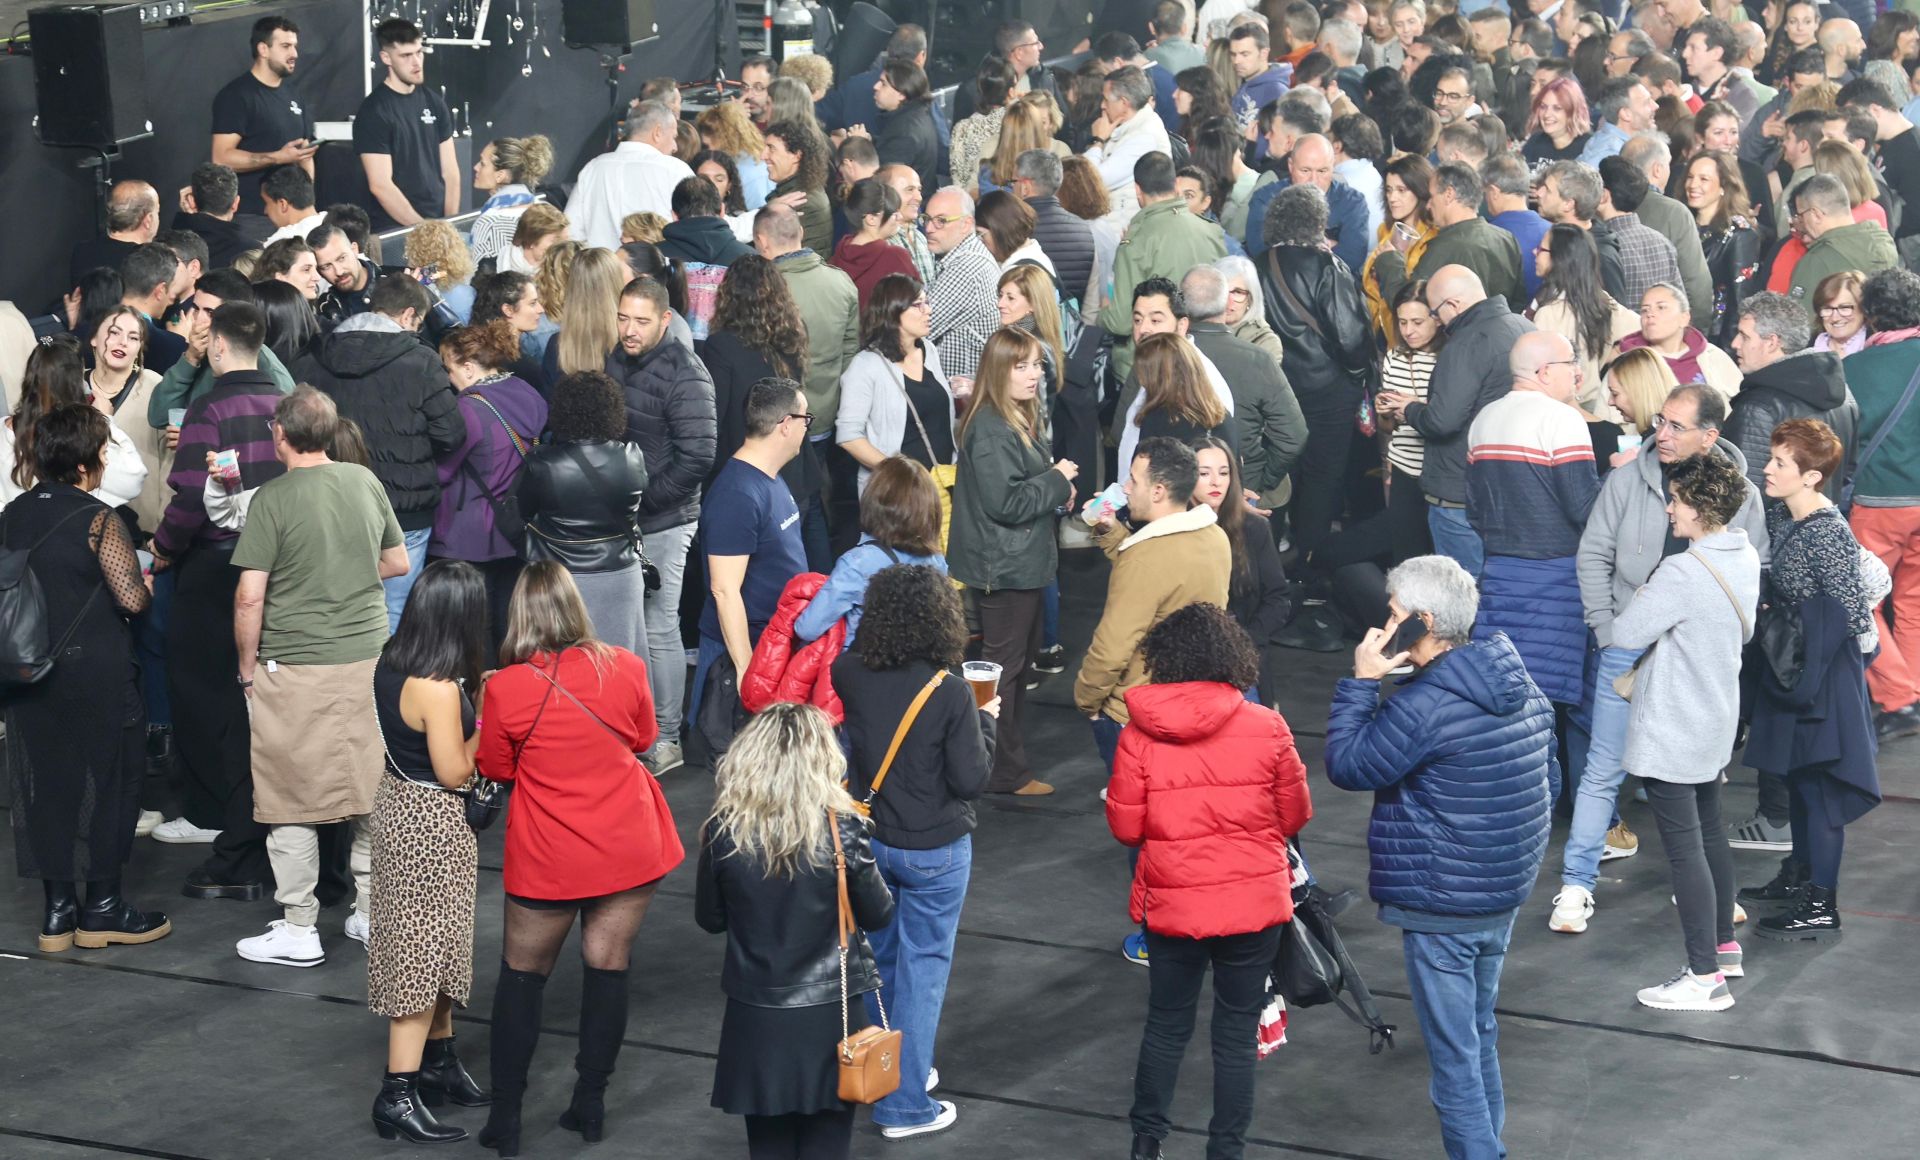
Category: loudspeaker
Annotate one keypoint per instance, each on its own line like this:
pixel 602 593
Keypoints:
pixel 624 22
pixel 89 75
pixel 864 32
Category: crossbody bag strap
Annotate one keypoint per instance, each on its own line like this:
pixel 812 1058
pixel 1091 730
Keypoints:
pixel 600 484
pixel 568 694
pixel 1745 629
pixel 900 732
pixel 513 436
pixel 843 920
pixel 1293 300
pixel 1886 428
pixel 907 397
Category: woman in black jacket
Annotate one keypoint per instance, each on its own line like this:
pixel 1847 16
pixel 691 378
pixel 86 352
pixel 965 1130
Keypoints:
pixel 1314 305
pixel 907 136
pixel 897 677
pixel 1718 197
pixel 781 821
pixel 580 495
pixel 1257 587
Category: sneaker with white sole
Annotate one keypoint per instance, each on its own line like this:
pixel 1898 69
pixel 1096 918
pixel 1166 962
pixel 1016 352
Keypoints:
pixel 148 821
pixel 1572 907
pixel 181 832
pixel 1687 991
pixel 1757 833
pixel 940 1123
pixel 357 927
pixel 1732 960
pixel 664 757
pixel 933 1078
pixel 1621 843
pixel 285 945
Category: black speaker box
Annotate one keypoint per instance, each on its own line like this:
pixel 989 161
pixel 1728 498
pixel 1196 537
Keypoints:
pixel 624 22
pixel 864 31
pixel 89 75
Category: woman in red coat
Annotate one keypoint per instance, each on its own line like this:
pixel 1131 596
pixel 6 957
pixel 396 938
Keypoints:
pixel 1209 787
pixel 588 833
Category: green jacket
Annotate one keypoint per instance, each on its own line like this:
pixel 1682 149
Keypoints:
pixel 1862 246
pixel 1477 244
pixel 830 306
pixel 1164 240
pixel 185 382
pixel 1003 499
pixel 1877 376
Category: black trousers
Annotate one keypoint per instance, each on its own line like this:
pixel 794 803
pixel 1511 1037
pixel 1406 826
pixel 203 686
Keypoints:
pixel 1407 518
pixel 1320 474
pixel 1695 837
pixel 500 577
pixel 819 1136
pixel 1175 969
pixel 1010 632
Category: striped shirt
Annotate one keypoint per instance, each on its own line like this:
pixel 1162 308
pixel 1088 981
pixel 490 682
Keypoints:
pixel 1530 476
pixel 1408 371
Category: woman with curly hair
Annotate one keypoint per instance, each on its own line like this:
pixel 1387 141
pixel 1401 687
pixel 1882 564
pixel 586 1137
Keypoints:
pixel 720 169
pixel 1717 195
pixel 1407 181
pixel 550 283
pixel 1558 125
pixel 437 250
pixel 1209 788
pixel 726 129
pixel 899 688
pixel 756 334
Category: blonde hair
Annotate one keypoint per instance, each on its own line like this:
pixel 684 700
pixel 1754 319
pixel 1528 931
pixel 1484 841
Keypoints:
pixel 546 615
pixel 551 278
pixel 593 302
pixel 1023 127
pixel 1038 290
pixel 778 789
pixel 435 243
pixel 1049 108
pixel 525 159
pixel 642 227
pixel 1843 161
pixel 812 70
pixel 991 386
pixel 1645 379
pixel 538 221
pixel 1823 96
pixel 727 128
pixel 244 264
pixel 1174 381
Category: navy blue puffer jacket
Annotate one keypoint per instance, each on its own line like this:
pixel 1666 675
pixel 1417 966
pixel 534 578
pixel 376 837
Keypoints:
pixel 1461 764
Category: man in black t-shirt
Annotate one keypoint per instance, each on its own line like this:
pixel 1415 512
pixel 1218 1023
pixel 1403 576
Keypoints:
pixel 258 119
pixel 404 135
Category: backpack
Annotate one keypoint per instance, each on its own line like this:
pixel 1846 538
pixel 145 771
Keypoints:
pixel 25 657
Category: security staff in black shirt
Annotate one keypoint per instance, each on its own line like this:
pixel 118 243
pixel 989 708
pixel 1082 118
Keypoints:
pixel 258 119
pixel 404 135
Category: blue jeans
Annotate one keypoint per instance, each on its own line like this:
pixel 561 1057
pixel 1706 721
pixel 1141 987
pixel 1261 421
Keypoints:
pixel 1455 538
pixel 1593 805
pixel 400 587
pixel 711 650
pixel 1106 738
pixel 1455 980
pixel 1050 615
pixel 915 956
pixel 150 646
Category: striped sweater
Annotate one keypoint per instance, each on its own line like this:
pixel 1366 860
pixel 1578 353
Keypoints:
pixel 1530 476
pixel 233 416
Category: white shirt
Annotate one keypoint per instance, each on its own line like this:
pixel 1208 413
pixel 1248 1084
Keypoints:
pixel 634 178
pixel 1215 12
pixel 120 483
pixel 1029 251
pixel 299 229
pixel 1130 429
pixel 1132 139
pixel 1362 176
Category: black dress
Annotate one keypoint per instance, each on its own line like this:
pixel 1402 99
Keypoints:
pixel 76 790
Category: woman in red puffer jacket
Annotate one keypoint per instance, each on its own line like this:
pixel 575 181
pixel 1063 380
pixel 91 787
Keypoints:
pixel 1209 787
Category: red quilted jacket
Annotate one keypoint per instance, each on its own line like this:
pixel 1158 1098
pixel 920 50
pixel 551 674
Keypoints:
pixel 778 673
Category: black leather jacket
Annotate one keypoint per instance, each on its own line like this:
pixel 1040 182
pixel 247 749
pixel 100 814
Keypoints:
pixel 1332 352
pixel 783 948
pixel 581 502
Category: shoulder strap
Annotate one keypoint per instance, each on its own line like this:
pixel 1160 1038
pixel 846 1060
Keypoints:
pixel 513 436
pixel 1886 428
pixel 900 732
pixel 915 411
pixel 606 491
pixel 1738 611
pixel 1293 300
pixel 565 692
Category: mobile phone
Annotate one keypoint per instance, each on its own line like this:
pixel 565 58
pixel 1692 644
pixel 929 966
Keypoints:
pixel 1410 631
pixel 427 273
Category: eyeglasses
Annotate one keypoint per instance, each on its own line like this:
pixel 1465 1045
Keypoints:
pixel 929 221
pixel 1560 362
pixel 1838 310
pixel 805 420
pixel 1034 43
pixel 1450 98
pixel 1443 304
pixel 1662 423
pixel 1239 292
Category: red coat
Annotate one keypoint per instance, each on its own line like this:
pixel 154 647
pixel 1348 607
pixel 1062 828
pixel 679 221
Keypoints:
pixel 1210 787
pixel 585 818
pixel 778 672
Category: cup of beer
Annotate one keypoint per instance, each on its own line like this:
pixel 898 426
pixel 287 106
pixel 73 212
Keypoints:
pixel 983 677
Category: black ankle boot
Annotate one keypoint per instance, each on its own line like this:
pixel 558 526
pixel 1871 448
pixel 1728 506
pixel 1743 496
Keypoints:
pixel 517 999
pixel 1815 919
pixel 1144 1148
pixel 399 1111
pixel 603 1024
pixel 443 1077
pixel 1783 891
pixel 63 915
pixel 108 919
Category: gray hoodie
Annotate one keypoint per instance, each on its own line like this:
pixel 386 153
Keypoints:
pixel 1626 535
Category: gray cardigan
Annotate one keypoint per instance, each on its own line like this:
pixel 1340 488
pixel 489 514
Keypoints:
pixel 873 402
pixel 1686 698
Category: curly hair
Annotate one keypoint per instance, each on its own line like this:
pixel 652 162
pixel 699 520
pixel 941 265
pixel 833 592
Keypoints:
pixel 1296 217
pixel 1891 299
pixel 726 128
pixel 755 306
pixel 1082 192
pixel 733 201
pixel 1201 642
pixel 493 345
pixel 1712 486
pixel 588 407
pixel 911 613
pixel 802 138
pixel 437 244
pixel 551 278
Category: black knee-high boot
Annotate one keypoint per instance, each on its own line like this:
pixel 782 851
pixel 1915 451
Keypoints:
pixel 517 1000
pixel 603 1024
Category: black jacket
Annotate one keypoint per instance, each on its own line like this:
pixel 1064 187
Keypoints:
pixel 581 502
pixel 1733 262
pixel 1808 385
pixel 783 947
pixel 670 415
pixel 707 240
pixel 942 767
pixel 1327 356
pixel 226 240
pixel 1067 241
pixel 907 136
pixel 395 388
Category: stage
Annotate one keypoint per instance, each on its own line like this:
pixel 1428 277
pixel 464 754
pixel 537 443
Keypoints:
pixel 182 1050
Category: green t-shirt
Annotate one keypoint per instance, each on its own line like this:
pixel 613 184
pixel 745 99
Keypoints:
pixel 317 533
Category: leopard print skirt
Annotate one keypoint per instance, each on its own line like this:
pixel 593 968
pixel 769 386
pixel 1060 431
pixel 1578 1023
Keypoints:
pixel 420 945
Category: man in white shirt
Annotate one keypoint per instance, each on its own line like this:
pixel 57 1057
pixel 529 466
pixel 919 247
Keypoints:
pixel 1127 130
pixel 287 193
pixel 637 177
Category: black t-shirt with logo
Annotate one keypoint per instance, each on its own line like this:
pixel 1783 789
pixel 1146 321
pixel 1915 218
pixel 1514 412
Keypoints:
pixel 266 119
pixel 409 128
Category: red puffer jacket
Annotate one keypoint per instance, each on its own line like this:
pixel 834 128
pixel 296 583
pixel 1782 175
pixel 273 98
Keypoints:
pixel 779 673
pixel 1210 787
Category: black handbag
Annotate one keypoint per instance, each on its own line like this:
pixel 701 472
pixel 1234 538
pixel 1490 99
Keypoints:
pixel 1305 973
pixel 1782 640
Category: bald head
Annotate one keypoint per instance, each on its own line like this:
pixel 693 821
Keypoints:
pixel 1452 291
pixel 1543 361
pixel 133 211
pixel 1311 162
pixel 1840 39
pixel 777 230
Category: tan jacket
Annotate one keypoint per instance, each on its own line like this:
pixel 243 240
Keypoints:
pixel 1174 561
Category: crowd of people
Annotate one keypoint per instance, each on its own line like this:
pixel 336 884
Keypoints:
pixel 1558 360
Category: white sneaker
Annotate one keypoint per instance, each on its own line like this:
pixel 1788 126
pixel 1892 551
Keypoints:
pixel 284 944
pixel 933 1078
pixel 940 1123
pixel 149 819
pixel 1687 991
pixel 1572 907
pixel 357 927
pixel 181 832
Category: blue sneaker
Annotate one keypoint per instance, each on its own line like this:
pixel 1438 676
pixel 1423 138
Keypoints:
pixel 1134 949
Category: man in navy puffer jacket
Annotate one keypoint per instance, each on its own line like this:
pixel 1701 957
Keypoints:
pixel 1462 768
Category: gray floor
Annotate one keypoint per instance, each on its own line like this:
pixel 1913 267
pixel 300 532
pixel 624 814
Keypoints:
pixel 180 1049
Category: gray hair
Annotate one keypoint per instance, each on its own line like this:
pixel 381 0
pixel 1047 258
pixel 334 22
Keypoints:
pixel 1824 192
pixel 650 117
pixel 1237 269
pixel 966 199
pixel 1042 167
pixel 1778 316
pixel 1132 86
pixel 1462 181
pixel 1341 39
pixel 1297 216
pixel 1441 588
pixel 1205 290
pixel 1508 174
pixel 1578 183
pixel 1646 150
pixel 1639 44
pixel 1309 101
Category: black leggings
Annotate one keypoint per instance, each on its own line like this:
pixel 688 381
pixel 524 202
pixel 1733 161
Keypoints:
pixel 1816 841
pixel 1701 863
pixel 820 1136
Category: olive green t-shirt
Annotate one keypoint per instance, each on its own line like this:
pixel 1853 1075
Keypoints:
pixel 317 532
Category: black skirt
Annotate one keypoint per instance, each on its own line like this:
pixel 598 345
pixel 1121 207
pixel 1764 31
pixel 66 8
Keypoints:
pixel 778 1061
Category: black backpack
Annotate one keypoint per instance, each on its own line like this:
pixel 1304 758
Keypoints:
pixel 25 657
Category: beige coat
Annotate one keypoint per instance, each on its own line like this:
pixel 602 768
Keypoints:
pixel 151 504
pixel 1557 318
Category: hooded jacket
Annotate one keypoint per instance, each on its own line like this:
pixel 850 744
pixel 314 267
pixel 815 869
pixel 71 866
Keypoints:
pixel 1209 787
pixel 1461 761
pixel 867 263
pixel 786 668
pixel 1807 385
pixel 670 414
pixel 385 379
pixel 706 240
pixel 1697 362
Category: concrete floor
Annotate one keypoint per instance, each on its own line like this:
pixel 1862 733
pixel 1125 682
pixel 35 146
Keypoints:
pixel 181 1049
